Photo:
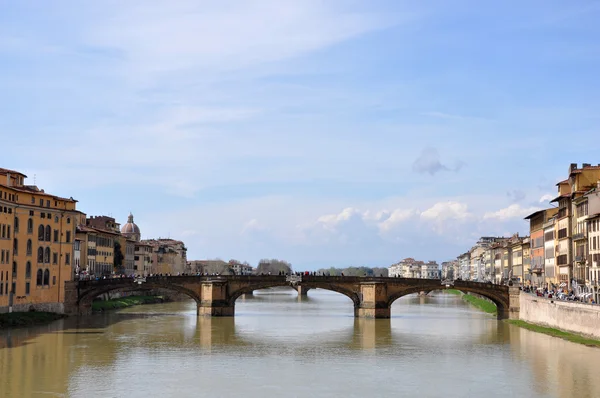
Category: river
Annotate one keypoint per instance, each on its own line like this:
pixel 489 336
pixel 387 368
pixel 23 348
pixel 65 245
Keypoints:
pixel 280 345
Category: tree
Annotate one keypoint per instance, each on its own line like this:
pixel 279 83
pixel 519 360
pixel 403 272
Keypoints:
pixel 118 258
pixel 273 266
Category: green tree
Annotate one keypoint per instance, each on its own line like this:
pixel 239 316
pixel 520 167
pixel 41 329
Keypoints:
pixel 118 258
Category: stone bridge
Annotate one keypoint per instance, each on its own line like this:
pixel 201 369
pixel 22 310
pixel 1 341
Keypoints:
pixel 216 295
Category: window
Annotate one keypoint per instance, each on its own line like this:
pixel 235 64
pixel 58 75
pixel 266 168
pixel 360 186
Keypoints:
pixel 30 226
pixel 28 247
pixel 47 277
pixel 67 258
pixel 3 231
pixel 8 231
pixel 49 216
pixel 14 288
pixel 1 289
pixel 41 202
pixel 68 220
pixel 68 236
pixel 47 203
pixel 41 233
pixel 40 256
pixel 39 277
pixel 562 233
pixel 14 270
pixel 28 270
pixel 42 215
pixel 47 255
pixel 56 235
pixel 55 218
pixel 54 280
pixel 54 258
pixel 48 232
pixel 32 200
pixel 27 288
pixel 16 225
pixel 15 246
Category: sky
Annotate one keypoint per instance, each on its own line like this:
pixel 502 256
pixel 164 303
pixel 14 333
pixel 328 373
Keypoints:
pixel 325 133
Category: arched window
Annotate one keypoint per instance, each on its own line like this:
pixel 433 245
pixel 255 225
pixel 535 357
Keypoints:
pixel 28 270
pixel 15 246
pixel 40 256
pixel 30 226
pixel 41 233
pixel 46 277
pixel 47 255
pixel 48 233
pixel 16 224
pixel 39 277
pixel 29 249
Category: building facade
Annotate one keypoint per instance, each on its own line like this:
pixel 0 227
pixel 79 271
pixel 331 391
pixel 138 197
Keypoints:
pixel 37 231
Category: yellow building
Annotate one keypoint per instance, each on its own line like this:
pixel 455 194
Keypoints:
pixel 571 225
pixel 37 231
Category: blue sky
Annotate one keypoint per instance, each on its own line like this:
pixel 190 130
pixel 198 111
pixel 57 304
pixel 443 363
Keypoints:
pixel 326 133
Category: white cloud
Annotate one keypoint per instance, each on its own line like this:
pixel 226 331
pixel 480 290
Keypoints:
pixel 513 211
pixel 546 198
pixel 447 211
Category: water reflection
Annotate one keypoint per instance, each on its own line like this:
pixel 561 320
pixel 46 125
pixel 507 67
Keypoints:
pixel 282 345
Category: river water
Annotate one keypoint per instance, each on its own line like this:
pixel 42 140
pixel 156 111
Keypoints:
pixel 280 345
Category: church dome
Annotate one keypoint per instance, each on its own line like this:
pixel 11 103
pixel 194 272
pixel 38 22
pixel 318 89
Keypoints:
pixel 131 230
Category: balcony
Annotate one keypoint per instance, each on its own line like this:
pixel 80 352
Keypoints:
pixel 579 259
pixel 548 224
pixel 580 236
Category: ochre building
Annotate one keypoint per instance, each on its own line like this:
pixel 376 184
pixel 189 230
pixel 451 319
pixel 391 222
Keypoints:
pixel 37 231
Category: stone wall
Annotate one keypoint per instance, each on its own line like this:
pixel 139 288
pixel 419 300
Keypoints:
pixel 40 307
pixel 565 315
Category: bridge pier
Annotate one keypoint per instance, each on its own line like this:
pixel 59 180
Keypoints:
pixel 373 301
pixel 215 300
pixel 302 291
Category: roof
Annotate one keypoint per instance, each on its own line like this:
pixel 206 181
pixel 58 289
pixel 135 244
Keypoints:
pixel 5 171
pixel 32 189
pixel 564 195
pixel 562 182
pixel 85 228
pixel 535 214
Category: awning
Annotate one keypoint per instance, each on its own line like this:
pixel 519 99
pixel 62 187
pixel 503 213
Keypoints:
pixel 562 285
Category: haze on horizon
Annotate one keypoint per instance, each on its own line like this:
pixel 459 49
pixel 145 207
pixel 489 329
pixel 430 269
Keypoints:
pixel 326 133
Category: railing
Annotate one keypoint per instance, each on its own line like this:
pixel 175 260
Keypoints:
pixel 579 236
pixel 579 258
pixel 548 224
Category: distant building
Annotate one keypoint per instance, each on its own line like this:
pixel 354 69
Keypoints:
pixel 411 268
pixel 169 256
pixel 241 269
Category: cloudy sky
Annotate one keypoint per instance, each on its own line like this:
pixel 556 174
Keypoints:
pixel 326 133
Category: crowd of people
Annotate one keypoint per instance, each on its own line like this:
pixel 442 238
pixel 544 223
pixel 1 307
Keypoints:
pixel 560 294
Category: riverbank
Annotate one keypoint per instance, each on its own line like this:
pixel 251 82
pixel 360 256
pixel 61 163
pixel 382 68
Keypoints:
pixel 480 303
pixel 572 337
pixel 124 302
pixel 27 319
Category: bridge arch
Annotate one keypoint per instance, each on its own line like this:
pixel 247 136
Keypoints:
pixel 86 298
pixel 233 296
pixel 497 299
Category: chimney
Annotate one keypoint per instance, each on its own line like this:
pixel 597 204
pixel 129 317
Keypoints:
pixel 584 165
pixel 573 167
